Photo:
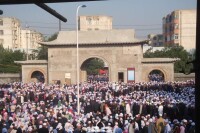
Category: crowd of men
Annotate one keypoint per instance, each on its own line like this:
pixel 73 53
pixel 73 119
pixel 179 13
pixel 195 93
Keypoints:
pixel 152 107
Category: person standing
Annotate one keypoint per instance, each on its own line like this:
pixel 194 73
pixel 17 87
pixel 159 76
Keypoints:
pixel 167 126
pixel 160 124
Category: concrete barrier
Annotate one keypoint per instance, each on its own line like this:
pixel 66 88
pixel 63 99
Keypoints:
pixel 9 77
pixel 183 77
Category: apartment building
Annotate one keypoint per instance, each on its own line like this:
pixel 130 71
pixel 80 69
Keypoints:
pixel 155 40
pixel 87 23
pixel 12 36
pixel 29 39
pixel 179 28
pixel 9 32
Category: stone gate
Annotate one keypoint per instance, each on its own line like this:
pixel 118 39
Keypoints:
pixel 119 49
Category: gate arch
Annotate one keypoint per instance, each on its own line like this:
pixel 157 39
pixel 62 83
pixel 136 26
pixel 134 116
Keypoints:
pixel 95 56
pixel 157 69
pixel 34 71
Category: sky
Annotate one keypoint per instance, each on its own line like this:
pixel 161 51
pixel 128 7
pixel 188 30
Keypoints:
pixel 144 16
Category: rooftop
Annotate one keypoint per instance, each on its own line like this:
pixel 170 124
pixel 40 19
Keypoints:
pixel 115 36
pixel 32 62
pixel 159 60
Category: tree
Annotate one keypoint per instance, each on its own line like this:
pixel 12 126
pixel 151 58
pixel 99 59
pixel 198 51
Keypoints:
pixel 93 65
pixel 181 66
pixel 42 52
pixel 7 58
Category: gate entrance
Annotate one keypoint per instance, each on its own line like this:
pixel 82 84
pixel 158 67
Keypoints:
pixel 120 77
pixel 37 76
pixel 156 75
pixel 94 69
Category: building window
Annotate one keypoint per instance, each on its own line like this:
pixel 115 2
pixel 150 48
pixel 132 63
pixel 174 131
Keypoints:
pixel 154 38
pixel 1 32
pixel 176 36
pixel 89 20
pixel 175 26
pixel 176 16
pixel 1 21
pixel 168 38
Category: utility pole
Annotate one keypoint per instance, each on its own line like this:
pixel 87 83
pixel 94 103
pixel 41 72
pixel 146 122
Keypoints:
pixel 59 25
pixel 26 42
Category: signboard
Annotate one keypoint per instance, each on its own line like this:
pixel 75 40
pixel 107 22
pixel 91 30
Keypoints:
pixel 130 75
pixel 68 75
pixel 68 78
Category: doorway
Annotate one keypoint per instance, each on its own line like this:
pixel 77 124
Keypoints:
pixel 120 77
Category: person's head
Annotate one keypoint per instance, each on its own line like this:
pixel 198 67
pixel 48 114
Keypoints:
pixel 78 125
pixel 166 121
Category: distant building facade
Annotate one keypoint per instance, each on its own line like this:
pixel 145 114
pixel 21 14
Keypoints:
pixel 88 23
pixel 30 38
pixel 179 28
pixel 12 36
pixel 155 40
pixel 9 32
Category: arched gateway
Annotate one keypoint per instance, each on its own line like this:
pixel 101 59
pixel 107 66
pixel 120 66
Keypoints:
pixel 118 48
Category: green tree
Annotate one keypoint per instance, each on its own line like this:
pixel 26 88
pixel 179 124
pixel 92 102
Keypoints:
pixel 42 52
pixel 7 58
pixel 182 65
pixel 93 65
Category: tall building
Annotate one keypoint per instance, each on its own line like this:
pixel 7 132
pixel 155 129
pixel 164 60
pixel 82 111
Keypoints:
pixel 29 39
pixel 12 36
pixel 95 23
pixel 155 40
pixel 179 28
pixel 9 32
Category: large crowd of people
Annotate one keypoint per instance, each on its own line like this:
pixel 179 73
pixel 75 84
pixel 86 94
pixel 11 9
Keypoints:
pixel 105 107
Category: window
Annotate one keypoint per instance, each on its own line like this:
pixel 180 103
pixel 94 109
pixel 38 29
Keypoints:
pixel 176 36
pixel 154 38
pixel 89 20
pixel 1 21
pixel 175 26
pixel 168 38
pixel 176 15
pixel 1 32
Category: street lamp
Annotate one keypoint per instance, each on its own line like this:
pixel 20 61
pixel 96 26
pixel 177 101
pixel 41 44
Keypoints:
pixel 26 42
pixel 77 59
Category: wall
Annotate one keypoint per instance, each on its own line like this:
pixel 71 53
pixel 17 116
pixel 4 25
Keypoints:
pixel 27 70
pixel 9 77
pixel 95 23
pixel 166 68
pixel 119 57
pixel 183 77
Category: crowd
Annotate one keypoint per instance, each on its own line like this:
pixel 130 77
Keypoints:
pixel 156 77
pixel 98 78
pixel 153 107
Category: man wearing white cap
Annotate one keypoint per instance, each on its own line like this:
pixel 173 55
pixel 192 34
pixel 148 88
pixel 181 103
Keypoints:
pixel 167 126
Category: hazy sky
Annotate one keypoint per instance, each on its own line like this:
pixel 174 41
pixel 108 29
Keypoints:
pixel 145 16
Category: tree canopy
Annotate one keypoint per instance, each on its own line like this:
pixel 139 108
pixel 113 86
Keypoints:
pixel 7 58
pixel 42 52
pixel 180 66
pixel 93 65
